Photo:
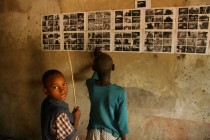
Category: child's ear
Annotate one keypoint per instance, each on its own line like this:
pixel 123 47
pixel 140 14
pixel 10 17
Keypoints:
pixel 45 91
pixel 113 67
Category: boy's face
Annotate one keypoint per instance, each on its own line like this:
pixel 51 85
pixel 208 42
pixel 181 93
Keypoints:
pixel 56 87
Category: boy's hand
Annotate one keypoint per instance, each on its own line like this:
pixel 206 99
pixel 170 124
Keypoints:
pixel 77 113
pixel 97 51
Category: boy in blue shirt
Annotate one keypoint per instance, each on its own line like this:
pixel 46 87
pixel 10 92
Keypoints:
pixel 108 115
pixel 57 122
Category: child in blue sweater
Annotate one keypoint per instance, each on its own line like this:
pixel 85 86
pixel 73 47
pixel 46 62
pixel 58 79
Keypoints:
pixel 57 122
pixel 108 115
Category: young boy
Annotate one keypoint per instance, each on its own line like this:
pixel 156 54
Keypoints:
pixel 108 115
pixel 57 123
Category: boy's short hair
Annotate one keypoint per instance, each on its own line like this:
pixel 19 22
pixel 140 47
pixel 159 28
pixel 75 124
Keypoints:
pixel 49 73
pixel 103 63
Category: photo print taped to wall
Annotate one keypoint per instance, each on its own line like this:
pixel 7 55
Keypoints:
pixel 51 36
pixel 127 25
pixel 142 4
pixel 159 30
pixel 193 29
pixel 99 30
pixel 73 31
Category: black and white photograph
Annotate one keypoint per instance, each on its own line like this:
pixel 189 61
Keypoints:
pixel 142 3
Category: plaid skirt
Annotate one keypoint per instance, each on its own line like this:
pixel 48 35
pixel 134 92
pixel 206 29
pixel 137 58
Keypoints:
pixel 99 134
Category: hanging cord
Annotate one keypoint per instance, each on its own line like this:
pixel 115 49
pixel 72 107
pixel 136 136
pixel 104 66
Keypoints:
pixel 72 78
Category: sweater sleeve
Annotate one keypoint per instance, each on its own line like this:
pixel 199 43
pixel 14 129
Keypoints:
pixel 122 114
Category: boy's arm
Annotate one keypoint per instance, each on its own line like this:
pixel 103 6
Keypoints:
pixel 77 114
pixel 123 137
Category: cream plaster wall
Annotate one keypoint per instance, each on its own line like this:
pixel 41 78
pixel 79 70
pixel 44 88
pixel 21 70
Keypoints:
pixel 168 95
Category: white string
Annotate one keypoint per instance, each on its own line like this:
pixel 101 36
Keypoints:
pixel 72 78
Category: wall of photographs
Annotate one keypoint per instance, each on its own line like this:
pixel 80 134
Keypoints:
pixel 150 30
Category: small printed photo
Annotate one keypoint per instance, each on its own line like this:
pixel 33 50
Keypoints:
pixel 191 42
pixel 193 25
pixel 167 42
pixel 150 11
pixel 50 29
pixel 182 42
pixel 80 41
pixel 149 26
pixel 182 25
pixel 149 34
pixel 168 19
pixel 148 41
pixel 141 4
pixel 202 34
pixel 118 41
pixel 182 34
pixel 66 16
pixel 203 18
pixel 45 41
pixel 168 25
pixel 149 48
pixel 73 28
pixel 44 29
pixel 136 12
pixel 135 19
pixel 106 26
pixel 166 48
pixel 98 35
pixel 158 26
pixel 183 18
pixel 192 34
pixel 127 13
pixel 106 35
pixel 204 25
pixel 158 35
pixel 91 41
pixel 118 20
pixel 135 48
pixel 56 35
pixel 80 15
pixel 107 15
pixel 181 49
pixel 136 42
pixel 57 41
pixel 51 35
pixel 51 47
pixel 73 35
pixel 106 48
pixel 91 15
pixel 204 10
pixel 99 15
pixel 135 26
pixel 158 19
pixel 126 41
pixel 149 19
pixel 193 18
pixel 158 42
pixel 167 34
pixel 118 35
pixel 168 11
pixel 44 18
pixel 190 49
pixel 72 22
pixel 118 47
pixel 106 41
pixel 157 49
pixel 183 11
pixel 158 11
pixel 56 28
pixel 56 17
pixel 200 49
pixel 50 17
pixel 45 47
pixel 127 35
pixel 127 19
pixel 50 22
pixel 135 34
pixel 118 14
pixel 80 35
pixel 44 23
pixel 193 10
pixel 127 27
pixel 126 48
pixel 91 47
pixel 201 42
pixel 73 16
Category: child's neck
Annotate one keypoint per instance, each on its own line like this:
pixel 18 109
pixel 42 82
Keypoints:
pixel 103 80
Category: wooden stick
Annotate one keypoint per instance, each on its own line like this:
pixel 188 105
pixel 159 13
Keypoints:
pixel 72 78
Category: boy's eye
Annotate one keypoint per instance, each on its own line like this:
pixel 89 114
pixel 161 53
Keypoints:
pixel 55 87
pixel 65 84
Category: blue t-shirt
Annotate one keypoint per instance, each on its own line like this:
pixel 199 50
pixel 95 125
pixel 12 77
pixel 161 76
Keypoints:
pixel 108 107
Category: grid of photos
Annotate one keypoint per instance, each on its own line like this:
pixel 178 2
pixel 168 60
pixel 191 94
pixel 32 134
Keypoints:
pixel 159 24
pixel 127 41
pixel 51 39
pixel 100 20
pixel 158 41
pixel 99 40
pixel 73 28
pixel 193 29
pixel 192 42
pixel 127 19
